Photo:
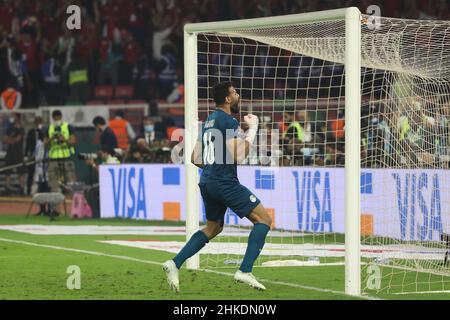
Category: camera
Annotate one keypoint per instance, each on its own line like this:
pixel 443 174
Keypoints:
pixel 87 156
pixel 57 134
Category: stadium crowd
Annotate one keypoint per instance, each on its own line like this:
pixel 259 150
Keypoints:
pixel 136 42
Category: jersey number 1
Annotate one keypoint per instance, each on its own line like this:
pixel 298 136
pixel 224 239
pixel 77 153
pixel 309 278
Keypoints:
pixel 208 151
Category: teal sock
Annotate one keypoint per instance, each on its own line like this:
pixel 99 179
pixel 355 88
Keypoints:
pixel 194 245
pixel 256 242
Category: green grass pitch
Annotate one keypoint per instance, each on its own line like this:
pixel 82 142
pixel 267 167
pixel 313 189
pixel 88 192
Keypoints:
pixel 35 267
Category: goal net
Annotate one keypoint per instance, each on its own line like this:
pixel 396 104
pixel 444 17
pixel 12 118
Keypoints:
pixel 293 77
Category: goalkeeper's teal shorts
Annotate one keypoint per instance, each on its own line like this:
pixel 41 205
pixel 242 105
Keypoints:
pixel 217 197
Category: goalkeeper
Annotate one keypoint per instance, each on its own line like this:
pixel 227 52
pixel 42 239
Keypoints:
pixel 220 187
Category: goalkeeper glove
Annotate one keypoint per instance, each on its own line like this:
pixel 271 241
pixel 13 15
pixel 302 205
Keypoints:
pixel 252 122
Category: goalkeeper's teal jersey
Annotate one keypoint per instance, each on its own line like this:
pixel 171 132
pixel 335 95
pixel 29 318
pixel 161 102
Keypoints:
pixel 217 161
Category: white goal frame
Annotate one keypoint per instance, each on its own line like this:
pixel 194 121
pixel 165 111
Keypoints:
pixel 352 18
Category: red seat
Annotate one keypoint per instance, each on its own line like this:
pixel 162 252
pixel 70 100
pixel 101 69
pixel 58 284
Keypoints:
pixel 103 92
pixel 116 102
pixel 176 111
pixel 136 102
pixel 124 92
pixel 95 103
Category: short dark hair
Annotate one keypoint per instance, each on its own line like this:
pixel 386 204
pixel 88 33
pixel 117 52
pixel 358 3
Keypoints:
pixel 221 91
pixel 108 149
pixel 99 120
pixel 120 113
pixel 56 113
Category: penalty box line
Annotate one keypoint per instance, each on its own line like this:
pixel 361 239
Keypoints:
pixel 102 254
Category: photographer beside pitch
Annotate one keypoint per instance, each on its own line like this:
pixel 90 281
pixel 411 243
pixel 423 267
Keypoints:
pixel 60 141
pixel 220 187
pixel 106 155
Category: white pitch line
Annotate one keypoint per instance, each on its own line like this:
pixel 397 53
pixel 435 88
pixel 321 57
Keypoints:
pixel 423 292
pixel 102 254
pixel 95 253
pixel 287 284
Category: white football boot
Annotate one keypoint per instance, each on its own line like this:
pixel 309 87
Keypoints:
pixel 171 271
pixel 248 278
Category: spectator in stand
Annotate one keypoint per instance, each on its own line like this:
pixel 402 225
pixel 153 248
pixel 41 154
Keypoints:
pixel 141 76
pixel 66 47
pixel 338 126
pixel 337 130
pixel 47 20
pixel 49 47
pixel 122 129
pixel 162 34
pixel 139 19
pixel 29 46
pixel 14 154
pixel 7 13
pixel 109 66
pixel 298 137
pixel 85 47
pixel 18 73
pixel 78 81
pixel 130 57
pixel 296 132
pixel 51 74
pixel 3 57
pixel 167 75
pixel 287 119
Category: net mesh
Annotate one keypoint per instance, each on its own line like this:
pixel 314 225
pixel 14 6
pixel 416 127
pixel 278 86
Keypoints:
pixel 293 79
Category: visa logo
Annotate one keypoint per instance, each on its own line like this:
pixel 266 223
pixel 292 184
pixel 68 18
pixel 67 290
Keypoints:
pixel 313 195
pixel 127 188
pixel 420 215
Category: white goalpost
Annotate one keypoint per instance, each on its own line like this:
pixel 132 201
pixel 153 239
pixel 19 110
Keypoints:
pixel 352 150
pixel 191 120
pixel 355 117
